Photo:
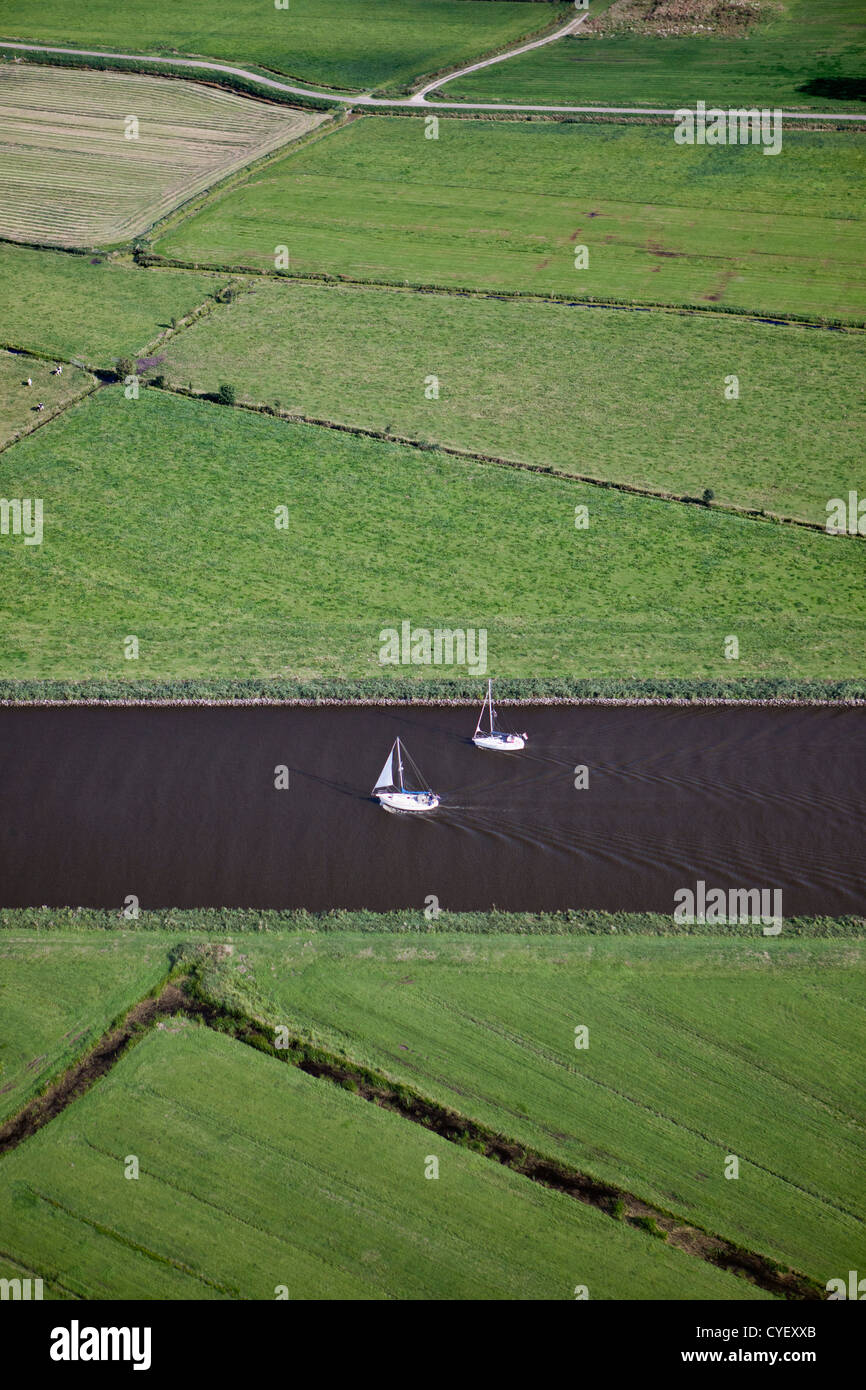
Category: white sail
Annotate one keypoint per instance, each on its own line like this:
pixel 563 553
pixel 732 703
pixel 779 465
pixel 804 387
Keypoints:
pixel 488 701
pixel 386 776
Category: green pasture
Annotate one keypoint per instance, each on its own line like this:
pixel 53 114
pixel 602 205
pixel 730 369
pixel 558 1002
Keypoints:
pixel 89 307
pixel 505 206
pixel 160 522
pixel 58 994
pixel 19 402
pixel 800 57
pixel 257 1181
pixel 348 44
pixel 697 1049
pixel 636 398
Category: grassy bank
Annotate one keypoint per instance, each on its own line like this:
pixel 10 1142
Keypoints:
pixel 81 922
pixel 422 690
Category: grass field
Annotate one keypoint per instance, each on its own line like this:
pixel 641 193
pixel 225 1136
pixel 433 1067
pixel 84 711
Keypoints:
pixel 88 308
pixel 72 176
pixel 503 206
pixel 697 1049
pixel 254 1175
pixel 800 57
pixel 637 398
pixel 160 522
pixel 350 44
pixel 60 993
pixel 18 402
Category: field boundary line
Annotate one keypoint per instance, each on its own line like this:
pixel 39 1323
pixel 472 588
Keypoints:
pixel 121 1239
pixel 205 310
pixel 59 410
pixel 678 1125
pixel 472 456
pixel 237 178
pixel 34 1274
pixel 773 319
pixel 107 376
pixel 160 1178
pixel 188 997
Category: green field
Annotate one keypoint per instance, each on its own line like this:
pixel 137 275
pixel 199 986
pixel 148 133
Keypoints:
pixel 60 992
pixel 697 1049
pixel 73 176
pixel 497 205
pixel 88 308
pixel 18 401
pixel 349 44
pixel 254 1175
pixel 637 398
pixel 160 522
pixel 801 57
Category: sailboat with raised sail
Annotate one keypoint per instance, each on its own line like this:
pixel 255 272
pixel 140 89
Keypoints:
pixel 490 737
pixel 391 790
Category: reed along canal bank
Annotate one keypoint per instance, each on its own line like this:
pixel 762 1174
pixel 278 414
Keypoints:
pixel 616 808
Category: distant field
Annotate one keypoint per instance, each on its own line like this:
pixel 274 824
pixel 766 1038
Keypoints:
pixel 638 398
pixel 181 550
pixel 697 1049
pixel 351 44
pixel 88 308
pixel 254 1175
pixel 503 206
pixel 802 56
pixel 60 993
pixel 72 177
pixel 18 402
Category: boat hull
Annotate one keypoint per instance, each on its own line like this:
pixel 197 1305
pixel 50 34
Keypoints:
pixel 500 743
pixel 414 802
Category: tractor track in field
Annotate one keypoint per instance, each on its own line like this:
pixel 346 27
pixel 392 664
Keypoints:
pixel 184 996
pixel 418 99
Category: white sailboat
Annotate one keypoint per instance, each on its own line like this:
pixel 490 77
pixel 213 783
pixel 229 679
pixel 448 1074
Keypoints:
pixel 391 790
pixel 491 737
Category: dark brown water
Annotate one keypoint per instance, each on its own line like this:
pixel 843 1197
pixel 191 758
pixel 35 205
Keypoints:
pixel 178 806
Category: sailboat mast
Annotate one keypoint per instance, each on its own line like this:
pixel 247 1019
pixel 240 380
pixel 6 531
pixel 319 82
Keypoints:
pixel 400 763
pixel 490 702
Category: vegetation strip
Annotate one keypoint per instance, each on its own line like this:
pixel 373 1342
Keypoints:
pixel 473 456
pixel 187 996
pixel 396 691
pixel 408 921
pixel 84 1073
pixel 777 319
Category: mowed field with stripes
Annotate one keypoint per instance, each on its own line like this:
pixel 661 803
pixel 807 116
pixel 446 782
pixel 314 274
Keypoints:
pixel 93 158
